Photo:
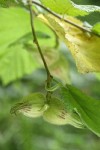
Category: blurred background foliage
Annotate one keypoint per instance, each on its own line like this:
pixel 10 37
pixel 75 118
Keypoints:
pixel 22 133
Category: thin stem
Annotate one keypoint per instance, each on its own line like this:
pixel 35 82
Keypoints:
pixel 65 20
pixel 36 41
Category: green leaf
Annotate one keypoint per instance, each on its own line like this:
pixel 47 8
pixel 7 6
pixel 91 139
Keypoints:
pixel 10 3
pixel 86 107
pixel 7 3
pixel 15 36
pixel 18 28
pixel 32 105
pixel 14 23
pixel 96 28
pixel 69 8
pixel 84 47
pixel 97 76
pixel 49 39
pixel 15 63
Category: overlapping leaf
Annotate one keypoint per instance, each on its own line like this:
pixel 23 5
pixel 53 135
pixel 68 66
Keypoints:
pixel 15 35
pixel 15 63
pixel 58 64
pixel 69 8
pixel 86 107
pixel 60 69
pixel 14 23
pixel 84 47
pixel 8 3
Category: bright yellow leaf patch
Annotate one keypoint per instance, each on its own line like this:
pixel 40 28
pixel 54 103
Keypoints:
pixel 84 47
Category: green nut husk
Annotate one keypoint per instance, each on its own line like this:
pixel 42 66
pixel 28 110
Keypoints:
pixel 32 105
pixel 58 115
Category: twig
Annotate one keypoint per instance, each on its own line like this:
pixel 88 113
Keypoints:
pixel 35 40
pixel 65 20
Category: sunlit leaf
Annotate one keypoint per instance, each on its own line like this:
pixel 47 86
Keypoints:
pixel 49 40
pixel 14 23
pixel 7 3
pixel 15 36
pixel 10 3
pixel 96 28
pixel 69 8
pixel 15 27
pixel 86 107
pixel 84 47
pixel 16 63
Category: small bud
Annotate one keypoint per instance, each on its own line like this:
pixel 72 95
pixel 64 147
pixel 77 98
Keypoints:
pixel 32 105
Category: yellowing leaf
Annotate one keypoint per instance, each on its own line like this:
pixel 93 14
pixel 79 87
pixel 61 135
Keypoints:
pixel 50 55
pixel 84 47
pixel 60 69
pixel 57 63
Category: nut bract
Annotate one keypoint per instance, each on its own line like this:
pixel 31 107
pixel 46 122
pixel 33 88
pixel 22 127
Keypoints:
pixel 32 105
pixel 57 114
